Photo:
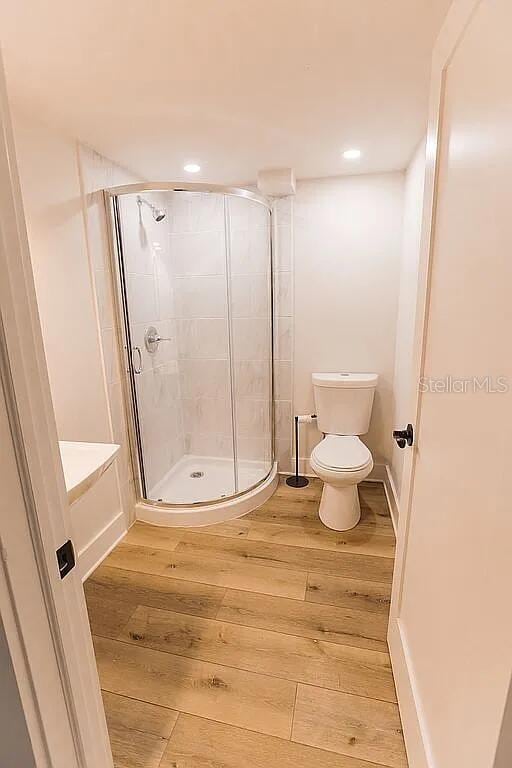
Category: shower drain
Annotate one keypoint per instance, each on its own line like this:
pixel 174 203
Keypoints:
pixel 197 474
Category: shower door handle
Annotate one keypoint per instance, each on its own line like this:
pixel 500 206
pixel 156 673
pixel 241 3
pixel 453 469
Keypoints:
pixel 137 368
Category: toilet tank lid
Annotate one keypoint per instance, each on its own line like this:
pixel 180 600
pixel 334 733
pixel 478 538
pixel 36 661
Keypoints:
pixel 346 380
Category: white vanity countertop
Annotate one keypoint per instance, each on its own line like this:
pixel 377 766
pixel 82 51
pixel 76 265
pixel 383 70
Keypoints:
pixel 84 464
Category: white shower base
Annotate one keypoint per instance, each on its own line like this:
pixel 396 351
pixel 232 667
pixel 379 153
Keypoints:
pixel 178 487
pixel 217 480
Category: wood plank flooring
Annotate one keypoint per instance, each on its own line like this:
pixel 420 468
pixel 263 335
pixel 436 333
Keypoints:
pixel 257 643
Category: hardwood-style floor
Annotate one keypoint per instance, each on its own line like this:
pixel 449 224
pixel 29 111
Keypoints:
pixel 258 643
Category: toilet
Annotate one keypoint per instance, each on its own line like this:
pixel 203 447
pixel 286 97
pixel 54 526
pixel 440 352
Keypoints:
pixel 343 404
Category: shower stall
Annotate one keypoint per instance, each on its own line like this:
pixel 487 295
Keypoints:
pixel 192 269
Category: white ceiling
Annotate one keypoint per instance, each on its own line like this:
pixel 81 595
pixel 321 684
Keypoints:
pixel 236 85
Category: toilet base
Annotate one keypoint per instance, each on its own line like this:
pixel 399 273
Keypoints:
pixel 339 507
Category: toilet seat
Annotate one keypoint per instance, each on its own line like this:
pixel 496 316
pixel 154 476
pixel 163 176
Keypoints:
pixel 341 453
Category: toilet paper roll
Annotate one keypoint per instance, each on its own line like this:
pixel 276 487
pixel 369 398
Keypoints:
pixel 307 419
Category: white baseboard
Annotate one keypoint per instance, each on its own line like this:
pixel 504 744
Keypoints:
pixel 304 468
pixel 102 545
pixel 392 497
pixel 414 726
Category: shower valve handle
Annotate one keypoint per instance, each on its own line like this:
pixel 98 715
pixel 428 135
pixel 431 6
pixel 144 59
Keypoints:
pixel 152 339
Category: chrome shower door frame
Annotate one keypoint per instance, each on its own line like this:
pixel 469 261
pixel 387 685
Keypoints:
pixel 123 333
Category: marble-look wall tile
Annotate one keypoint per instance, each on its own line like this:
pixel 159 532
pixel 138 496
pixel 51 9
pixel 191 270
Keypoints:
pixel 202 338
pixel 211 444
pixel 283 262
pixel 198 266
pixel 204 378
pixel 160 419
pixel 283 380
pixel 250 296
pixel 195 212
pixel 252 378
pixel 284 454
pixel 198 253
pixel 165 290
pixel 252 417
pixel 251 339
pixel 283 330
pixel 283 290
pixel 201 296
pixel 207 415
pixel 283 338
pixel 253 449
pixel 142 298
pixel 283 418
pixel 249 251
pixel 117 415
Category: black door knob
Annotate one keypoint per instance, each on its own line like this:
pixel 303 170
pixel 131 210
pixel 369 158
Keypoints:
pixel 404 437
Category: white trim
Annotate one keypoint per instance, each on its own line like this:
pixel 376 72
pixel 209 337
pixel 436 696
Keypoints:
pixel 392 497
pixel 304 467
pixel 90 556
pixel 415 731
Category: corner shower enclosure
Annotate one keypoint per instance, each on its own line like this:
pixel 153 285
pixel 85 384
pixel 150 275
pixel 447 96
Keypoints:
pixel 193 273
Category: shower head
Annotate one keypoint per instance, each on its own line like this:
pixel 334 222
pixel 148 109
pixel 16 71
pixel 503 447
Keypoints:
pixel 157 213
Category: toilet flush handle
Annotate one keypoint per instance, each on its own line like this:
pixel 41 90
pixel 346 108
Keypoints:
pixel 404 437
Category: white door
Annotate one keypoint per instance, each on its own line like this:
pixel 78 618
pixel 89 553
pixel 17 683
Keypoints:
pixel 44 615
pixel 451 622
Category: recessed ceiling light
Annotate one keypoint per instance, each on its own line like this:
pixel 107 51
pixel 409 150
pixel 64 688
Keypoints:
pixel 192 168
pixel 352 154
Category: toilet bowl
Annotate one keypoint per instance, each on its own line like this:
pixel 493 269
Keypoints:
pixel 341 462
pixel 343 404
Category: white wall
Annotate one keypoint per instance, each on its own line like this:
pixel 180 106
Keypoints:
pixel 96 174
pixel 347 260
pixel 52 197
pixel 402 384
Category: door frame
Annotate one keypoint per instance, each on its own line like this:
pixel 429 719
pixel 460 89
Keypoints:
pixel 457 19
pixel 45 618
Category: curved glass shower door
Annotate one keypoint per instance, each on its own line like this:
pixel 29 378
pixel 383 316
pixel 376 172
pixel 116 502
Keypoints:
pixel 195 273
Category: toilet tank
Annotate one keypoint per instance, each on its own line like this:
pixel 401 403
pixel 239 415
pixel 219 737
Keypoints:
pixel 344 401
